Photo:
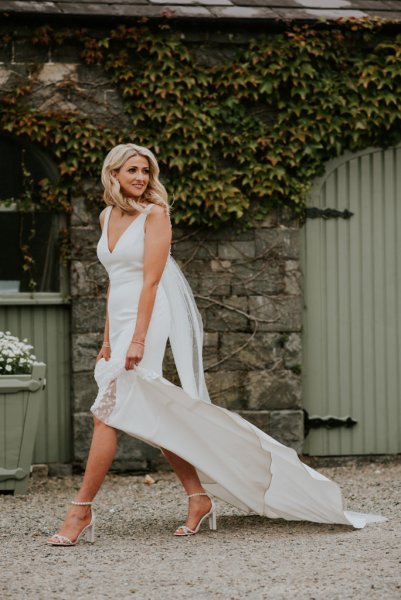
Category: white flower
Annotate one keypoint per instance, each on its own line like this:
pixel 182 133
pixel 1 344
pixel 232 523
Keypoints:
pixel 8 368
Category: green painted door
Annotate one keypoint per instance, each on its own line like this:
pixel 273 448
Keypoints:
pixel 352 306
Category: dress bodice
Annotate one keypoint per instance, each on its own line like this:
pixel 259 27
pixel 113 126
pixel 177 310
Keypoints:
pixel 125 262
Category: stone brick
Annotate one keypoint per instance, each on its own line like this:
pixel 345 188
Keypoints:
pixel 195 249
pixel 85 347
pixel 293 351
pixel 282 242
pixel 11 76
pixel 130 455
pixel 227 388
pixel 24 52
pixel 6 53
pixel 215 284
pixel 261 352
pixel 292 279
pixel 277 313
pixel 68 52
pixel 273 389
pixel 83 242
pixel 258 277
pixel 220 266
pixel 88 314
pixel 83 215
pixel 57 73
pixel 219 318
pixel 236 250
pixel 88 279
pixel 285 426
pixel 271 220
pixel 84 390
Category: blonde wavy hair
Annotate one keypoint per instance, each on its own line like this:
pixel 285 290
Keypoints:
pixel 155 191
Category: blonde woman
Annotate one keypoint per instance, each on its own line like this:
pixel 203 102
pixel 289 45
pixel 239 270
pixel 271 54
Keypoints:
pixel 212 450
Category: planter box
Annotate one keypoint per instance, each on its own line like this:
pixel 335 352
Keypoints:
pixel 20 402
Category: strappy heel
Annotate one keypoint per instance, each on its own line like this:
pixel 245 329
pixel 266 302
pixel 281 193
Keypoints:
pixel 88 530
pixel 211 516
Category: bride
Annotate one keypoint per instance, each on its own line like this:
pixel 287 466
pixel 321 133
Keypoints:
pixel 212 450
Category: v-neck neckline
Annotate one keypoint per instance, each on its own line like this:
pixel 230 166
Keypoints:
pixel 123 233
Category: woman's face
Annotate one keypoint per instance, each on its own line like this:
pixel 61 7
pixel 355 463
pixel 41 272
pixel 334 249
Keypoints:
pixel 133 176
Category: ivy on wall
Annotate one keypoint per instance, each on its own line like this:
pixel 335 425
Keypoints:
pixel 324 89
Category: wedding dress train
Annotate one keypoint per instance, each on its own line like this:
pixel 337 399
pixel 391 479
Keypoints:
pixel 235 461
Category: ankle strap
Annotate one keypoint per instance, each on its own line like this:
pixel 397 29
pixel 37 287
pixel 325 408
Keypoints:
pixel 81 503
pixel 198 494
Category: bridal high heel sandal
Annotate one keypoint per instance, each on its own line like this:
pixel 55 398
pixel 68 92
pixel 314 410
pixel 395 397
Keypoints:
pixel 89 530
pixel 211 515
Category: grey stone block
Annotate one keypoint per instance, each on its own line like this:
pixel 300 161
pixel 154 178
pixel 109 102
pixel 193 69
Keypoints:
pixel 282 242
pixel 293 351
pixel 88 279
pixel 195 249
pixel 261 352
pixel 85 348
pixel 130 455
pixel 236 250
pixel 11 76
pixel 24 52
pixel 83 215
pixel 277 313
pixel 219 318
pixel 228 389
pixel 292 279
pixel 273 389
pixel 88 314
pixel 83 242
pixel 215 284
pixel 285 426
pixel 84 390
pixel 259 277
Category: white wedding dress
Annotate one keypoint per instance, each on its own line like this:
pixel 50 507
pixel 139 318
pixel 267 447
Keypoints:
pixel 235 461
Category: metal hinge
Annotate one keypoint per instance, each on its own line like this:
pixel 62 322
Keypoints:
pixel 327 213
pixel 329 422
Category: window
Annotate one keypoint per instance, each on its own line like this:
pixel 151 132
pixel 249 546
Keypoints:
pixel 29 241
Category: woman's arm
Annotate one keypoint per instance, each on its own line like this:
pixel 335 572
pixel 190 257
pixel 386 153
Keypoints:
pixel 105 350
pixel 156 250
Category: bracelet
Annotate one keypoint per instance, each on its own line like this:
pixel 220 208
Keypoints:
pixel 136 342
pixel 106 344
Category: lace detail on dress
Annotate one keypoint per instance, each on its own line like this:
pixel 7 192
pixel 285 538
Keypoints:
pixel 107 403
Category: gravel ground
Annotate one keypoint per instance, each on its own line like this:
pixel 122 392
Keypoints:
pixel 136 556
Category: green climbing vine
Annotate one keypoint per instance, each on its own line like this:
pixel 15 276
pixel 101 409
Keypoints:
pixel 234 140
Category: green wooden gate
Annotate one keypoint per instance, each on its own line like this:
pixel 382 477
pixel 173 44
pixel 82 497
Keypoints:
pixel 352 306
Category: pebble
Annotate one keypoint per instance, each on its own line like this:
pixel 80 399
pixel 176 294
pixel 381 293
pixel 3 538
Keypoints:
pixel 248 558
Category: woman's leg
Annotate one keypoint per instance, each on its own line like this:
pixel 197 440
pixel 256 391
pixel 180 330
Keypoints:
pixel 186 473
pixel 101 453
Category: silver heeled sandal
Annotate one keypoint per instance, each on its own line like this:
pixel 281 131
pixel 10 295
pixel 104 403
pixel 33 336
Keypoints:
pixel 89 530
pixel 211 515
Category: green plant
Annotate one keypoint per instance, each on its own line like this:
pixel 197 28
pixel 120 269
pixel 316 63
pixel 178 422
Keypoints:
pixel 15 355
pixel 323 90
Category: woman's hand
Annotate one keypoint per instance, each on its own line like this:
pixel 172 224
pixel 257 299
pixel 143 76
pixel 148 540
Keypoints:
pixel 105 352
pixel 134 355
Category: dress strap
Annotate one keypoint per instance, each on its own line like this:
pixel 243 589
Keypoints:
pixel 106 218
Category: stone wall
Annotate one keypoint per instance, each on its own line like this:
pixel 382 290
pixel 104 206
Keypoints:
pixel 248 289
pixel 247 286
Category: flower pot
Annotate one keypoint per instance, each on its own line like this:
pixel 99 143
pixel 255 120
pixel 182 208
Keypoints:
pixel 20 402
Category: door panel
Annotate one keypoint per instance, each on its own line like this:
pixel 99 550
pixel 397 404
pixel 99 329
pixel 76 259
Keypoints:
pixel 352 325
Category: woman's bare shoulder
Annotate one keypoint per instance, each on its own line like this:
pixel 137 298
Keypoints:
pixel 158 215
